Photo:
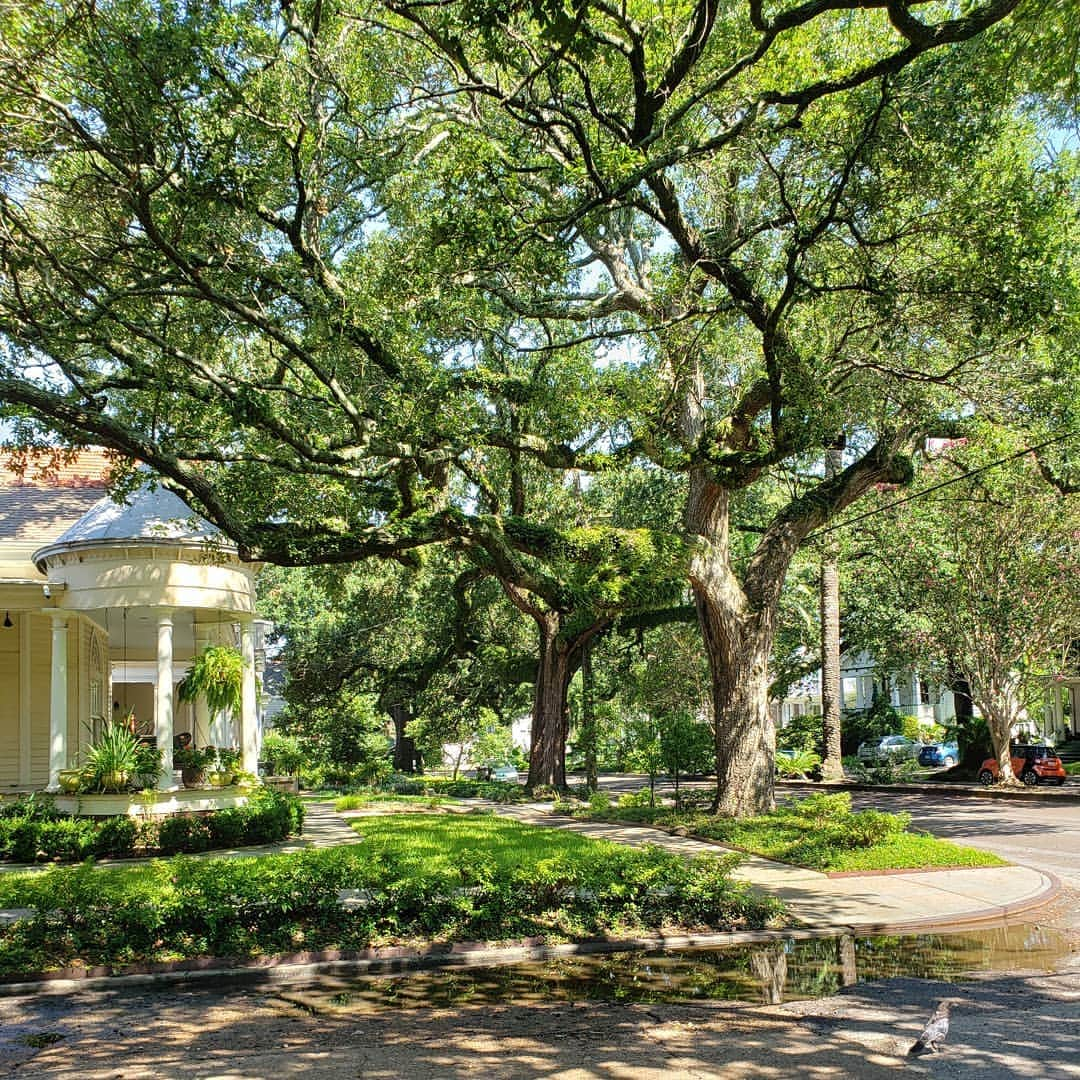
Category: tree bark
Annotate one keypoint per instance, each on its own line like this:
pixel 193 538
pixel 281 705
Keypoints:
pixel 1000 706
pixel 405 757
pixel 831 767
pixel 738 640
pixel 550 718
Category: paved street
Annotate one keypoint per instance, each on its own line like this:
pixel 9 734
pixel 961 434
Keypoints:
pixel 1044 834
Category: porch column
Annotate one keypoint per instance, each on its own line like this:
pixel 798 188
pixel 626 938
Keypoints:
pixel 58 700
pixel 202 710
pixel 249 711
pixel 25 723
pixel 163 698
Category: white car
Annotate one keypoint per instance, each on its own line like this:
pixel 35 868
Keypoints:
pixel 505 773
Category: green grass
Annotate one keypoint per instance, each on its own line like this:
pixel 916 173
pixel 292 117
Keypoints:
pixel 418 876
pixel 359 801
pixel 821 833
pixel 1073 769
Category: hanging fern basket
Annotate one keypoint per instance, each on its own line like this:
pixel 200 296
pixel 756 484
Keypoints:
pixel 217 676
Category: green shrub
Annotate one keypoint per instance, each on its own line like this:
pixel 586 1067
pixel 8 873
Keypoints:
pixel 884 771
pixel 445 877
pixel 37 806
pixel 599 801
pixel 642 797
pixel 283 752
pixel 227 828
pixel 116 836
pixel 32 831
pixel 182 833
pixel 801 733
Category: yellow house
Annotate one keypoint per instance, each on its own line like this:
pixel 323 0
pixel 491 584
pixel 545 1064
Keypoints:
pixel 104 605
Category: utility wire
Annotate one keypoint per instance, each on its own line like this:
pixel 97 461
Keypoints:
pixel 944 484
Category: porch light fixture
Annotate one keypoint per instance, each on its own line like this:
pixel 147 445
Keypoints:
pixel 8 624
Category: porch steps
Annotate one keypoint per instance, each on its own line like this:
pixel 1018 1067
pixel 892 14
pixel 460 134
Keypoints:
pixel 1068 751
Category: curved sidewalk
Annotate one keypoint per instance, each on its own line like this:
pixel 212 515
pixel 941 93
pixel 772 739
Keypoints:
pixel 879 902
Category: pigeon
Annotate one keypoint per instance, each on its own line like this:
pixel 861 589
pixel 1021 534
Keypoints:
pixel 937 1027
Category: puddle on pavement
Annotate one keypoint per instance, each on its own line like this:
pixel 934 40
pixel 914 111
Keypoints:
pixel 782 970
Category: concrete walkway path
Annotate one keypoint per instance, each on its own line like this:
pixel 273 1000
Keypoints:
pixel 883 902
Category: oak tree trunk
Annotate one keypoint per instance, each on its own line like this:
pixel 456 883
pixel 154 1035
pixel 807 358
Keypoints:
pixel 737 639
pixel 550 717
pixel 745 733
pixel 406 759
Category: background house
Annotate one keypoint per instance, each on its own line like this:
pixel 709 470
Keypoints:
pixel 104 606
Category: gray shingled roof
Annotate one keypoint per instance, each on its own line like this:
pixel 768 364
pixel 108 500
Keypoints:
pixel 150 514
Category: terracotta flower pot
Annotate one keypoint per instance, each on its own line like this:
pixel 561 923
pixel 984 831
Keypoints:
pixel 193 778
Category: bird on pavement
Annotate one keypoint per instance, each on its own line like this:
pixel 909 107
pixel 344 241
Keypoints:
pixel 937 1027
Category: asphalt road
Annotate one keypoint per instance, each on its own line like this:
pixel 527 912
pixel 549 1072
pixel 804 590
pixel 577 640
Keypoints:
pixel 1041 833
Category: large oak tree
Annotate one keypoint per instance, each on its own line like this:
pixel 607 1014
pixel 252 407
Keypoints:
pixel 330 272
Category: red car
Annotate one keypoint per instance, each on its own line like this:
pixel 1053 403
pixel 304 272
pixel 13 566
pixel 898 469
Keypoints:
pixel 1032 764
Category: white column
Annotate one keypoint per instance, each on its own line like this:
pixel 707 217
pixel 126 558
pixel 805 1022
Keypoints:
pixel 163 698
pixel 58 700
pixel 24 700
pixel 249 715
pixel 202 711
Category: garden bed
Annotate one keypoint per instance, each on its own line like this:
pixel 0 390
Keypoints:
pixel 37 830
pixel 422 878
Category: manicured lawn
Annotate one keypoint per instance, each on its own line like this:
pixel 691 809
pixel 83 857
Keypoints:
pixel 414 877
pixel 359 801
pixel 821 833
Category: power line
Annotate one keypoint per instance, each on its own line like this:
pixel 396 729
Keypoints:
pixel 944 484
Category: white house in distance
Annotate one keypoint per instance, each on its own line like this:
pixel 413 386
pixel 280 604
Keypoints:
pixel 104 605
pixel 912 695
pixel 908 692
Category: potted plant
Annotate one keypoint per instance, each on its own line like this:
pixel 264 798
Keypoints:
pixel 70 780
pixel 193 763
pixel 112 761
pixel 223 772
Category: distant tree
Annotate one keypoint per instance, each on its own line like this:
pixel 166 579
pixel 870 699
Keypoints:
pixel 980 579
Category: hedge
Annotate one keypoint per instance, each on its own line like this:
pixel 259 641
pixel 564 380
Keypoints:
pixel 184 908
pixel 32 831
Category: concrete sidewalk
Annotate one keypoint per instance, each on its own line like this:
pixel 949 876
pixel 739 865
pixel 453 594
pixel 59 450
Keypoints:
pixel 882 902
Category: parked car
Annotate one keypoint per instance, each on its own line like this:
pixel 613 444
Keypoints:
pixel 1032 764
pixel 889 747
pixel 947 754
pixel 506 773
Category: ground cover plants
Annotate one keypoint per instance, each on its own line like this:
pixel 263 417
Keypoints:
pixel 435 786
pixel 32 830
pixel 820 832
pixel 415 877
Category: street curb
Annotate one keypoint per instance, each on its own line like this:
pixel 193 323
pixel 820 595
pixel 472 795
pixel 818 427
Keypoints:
pixel 995 916
pixel 1021 795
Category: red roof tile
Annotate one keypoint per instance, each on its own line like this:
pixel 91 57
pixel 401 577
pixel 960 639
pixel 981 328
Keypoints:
pixel 43 495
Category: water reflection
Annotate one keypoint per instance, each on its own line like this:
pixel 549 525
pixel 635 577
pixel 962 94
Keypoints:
pixel 784 970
